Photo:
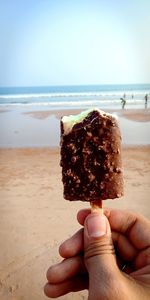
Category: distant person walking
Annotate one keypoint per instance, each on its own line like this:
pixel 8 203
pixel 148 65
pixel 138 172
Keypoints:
pixel 124 96
pixel 146 100
pixel 123 102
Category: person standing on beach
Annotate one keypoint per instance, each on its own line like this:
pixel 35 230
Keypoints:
pixel 123 102
pixel 146 99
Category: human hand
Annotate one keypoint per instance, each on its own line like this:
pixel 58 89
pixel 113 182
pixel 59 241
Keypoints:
pixel 90 262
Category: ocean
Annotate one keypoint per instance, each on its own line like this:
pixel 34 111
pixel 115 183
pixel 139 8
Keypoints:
pixel 104 96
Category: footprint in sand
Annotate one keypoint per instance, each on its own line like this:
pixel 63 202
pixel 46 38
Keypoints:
pixel 13 288
pixel 136 184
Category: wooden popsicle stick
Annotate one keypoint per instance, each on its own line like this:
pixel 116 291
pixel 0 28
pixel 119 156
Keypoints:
pixel 96 206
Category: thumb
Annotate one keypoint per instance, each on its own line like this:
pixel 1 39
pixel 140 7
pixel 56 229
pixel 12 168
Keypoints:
pixel 99 252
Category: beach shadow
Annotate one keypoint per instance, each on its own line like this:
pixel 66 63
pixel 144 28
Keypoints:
pixel 41 115
pixel 142 115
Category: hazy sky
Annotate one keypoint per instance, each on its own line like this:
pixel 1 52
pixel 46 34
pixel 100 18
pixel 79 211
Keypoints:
pixel 57 42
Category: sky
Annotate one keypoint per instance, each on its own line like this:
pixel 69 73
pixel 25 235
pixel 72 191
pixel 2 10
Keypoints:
pixel 74 42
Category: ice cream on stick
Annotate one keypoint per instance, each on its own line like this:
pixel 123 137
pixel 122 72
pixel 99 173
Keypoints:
pixel 91 157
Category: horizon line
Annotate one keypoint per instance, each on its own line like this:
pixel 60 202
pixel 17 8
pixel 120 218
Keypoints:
pixel 63 85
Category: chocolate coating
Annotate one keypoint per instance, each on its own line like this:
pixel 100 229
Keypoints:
pixel 91 159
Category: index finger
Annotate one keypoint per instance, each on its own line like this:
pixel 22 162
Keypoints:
pixel 134 226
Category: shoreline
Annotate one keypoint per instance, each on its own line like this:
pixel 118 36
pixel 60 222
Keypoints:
pixel 134 114
pixel 138 115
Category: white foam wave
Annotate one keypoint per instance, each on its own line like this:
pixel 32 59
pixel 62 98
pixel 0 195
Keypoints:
pixel 75 94
pixel 70 104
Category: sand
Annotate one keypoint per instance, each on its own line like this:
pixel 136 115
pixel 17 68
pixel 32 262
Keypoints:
pixel 34 218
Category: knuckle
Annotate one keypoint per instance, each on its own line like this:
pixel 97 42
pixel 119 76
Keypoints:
pixel 99 247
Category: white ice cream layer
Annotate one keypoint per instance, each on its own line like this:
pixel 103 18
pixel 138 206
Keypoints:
pixel 70 121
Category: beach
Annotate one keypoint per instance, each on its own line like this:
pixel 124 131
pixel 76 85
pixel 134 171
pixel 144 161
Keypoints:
pixel 34 217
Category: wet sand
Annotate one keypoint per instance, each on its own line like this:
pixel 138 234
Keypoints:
pixel 141 115
pixel 138 115
pixel 24 127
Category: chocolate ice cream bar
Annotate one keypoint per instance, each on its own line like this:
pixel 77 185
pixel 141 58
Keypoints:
pixel 91 156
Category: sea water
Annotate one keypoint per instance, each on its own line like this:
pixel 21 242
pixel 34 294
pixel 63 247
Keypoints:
pixel 104 96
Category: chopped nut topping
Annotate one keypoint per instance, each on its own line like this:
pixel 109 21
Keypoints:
pixel 89 134
pixel 74 159
pixel 102 185
pixel 118 170
pixel 91 177
pixel 78 181
pixel 118 195
pixel 69 173
pixel 111 169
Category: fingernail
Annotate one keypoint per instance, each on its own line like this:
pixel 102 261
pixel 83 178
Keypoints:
pixel 96 225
